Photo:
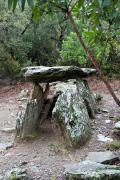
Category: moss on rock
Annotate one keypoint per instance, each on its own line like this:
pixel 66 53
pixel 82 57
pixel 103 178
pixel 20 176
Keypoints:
pixel 70 115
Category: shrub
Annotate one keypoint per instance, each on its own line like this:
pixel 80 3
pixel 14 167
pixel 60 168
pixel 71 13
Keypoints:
pixel 10 67
pixel 72 53
pixel 114 145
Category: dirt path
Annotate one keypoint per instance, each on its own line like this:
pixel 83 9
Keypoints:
pixel 44 157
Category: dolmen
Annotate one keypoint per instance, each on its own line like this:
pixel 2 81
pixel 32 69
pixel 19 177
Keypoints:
pixel 61 94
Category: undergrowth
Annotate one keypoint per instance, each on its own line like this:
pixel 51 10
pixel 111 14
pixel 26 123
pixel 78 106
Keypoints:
pixel 114 145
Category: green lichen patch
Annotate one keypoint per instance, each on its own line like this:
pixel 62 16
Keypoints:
pixel 114 145
pixel 88 170
pixel 71 116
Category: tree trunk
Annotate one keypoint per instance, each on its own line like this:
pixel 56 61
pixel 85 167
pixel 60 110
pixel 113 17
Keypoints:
pixel 92 58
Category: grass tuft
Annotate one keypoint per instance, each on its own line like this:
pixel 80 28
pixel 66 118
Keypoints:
pixel 114 145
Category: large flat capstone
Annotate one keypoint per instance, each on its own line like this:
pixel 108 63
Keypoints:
pixel 88 170
pixel 58 73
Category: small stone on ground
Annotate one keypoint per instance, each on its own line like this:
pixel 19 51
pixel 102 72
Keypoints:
pixel 108 121
pixel 102 138
pixel 15 174
pixel 5 146
pixel 117 125
pixel 8 130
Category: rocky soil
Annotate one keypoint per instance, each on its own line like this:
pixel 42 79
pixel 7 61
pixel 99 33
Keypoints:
pixel 44 156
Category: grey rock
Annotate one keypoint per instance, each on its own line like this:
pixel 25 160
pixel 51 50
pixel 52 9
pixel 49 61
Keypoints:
pixel 27 119
pixel 116 129
pixel 104 110
pixel 1 177
pixel 23 94
pixel 8 130
pixel 117 125
pixel 107 121
pixel 28 116
pixel 106 157
pixel 88 170
pixel 5 146
pixel 103 138
pixel 16 174
pixel 83 90
pixel 111 116
pixel 70 116
pixel 34 169
pixel 23 163
pixel 57 73
pixel 88 97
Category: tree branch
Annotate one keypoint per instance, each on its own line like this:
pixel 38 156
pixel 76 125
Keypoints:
pixel 70 3
pixel 92 58
pixel 28 25
pixel 74 6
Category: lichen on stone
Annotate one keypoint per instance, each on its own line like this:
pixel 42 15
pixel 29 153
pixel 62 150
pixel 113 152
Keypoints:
pixel 71 111
pixel 92 171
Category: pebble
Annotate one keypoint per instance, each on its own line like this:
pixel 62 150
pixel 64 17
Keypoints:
pixel 107 121
pixel 102 138
pixel 8 130
pixel 5 146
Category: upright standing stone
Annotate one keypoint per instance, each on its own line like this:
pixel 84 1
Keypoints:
pixel 29 114
pixel 70 116
pixel 87 95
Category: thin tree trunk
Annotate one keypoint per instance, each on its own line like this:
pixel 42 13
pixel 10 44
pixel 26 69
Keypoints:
pixel 92 58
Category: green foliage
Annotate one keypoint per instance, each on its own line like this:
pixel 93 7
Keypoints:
pixel 13 3
pixel 13 50
pixel 102 32
pixel 72 53
pixel 114 145
pixel 44 43
pixel 26 42
pixel 10 66
pixel 97 20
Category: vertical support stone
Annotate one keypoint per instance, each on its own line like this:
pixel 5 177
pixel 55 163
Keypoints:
pixel 29 114
pixel 87 95
pixel 70 116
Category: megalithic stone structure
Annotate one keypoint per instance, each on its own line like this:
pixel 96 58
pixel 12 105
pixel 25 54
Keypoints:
pixel 72 103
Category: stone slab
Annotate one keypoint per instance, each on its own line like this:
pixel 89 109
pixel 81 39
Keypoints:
pixel 58 73
pixel 5 146
pixel 106 157
pixel 117 125
pixel 15 174
pixel 91 171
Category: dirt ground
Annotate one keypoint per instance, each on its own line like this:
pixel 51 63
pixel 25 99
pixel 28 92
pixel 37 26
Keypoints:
pixel 44 157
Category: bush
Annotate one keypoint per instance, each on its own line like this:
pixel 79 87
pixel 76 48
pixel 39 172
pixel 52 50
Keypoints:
pixel 72 53
pixel 10 67
pixel 114 145
pixel 106 51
